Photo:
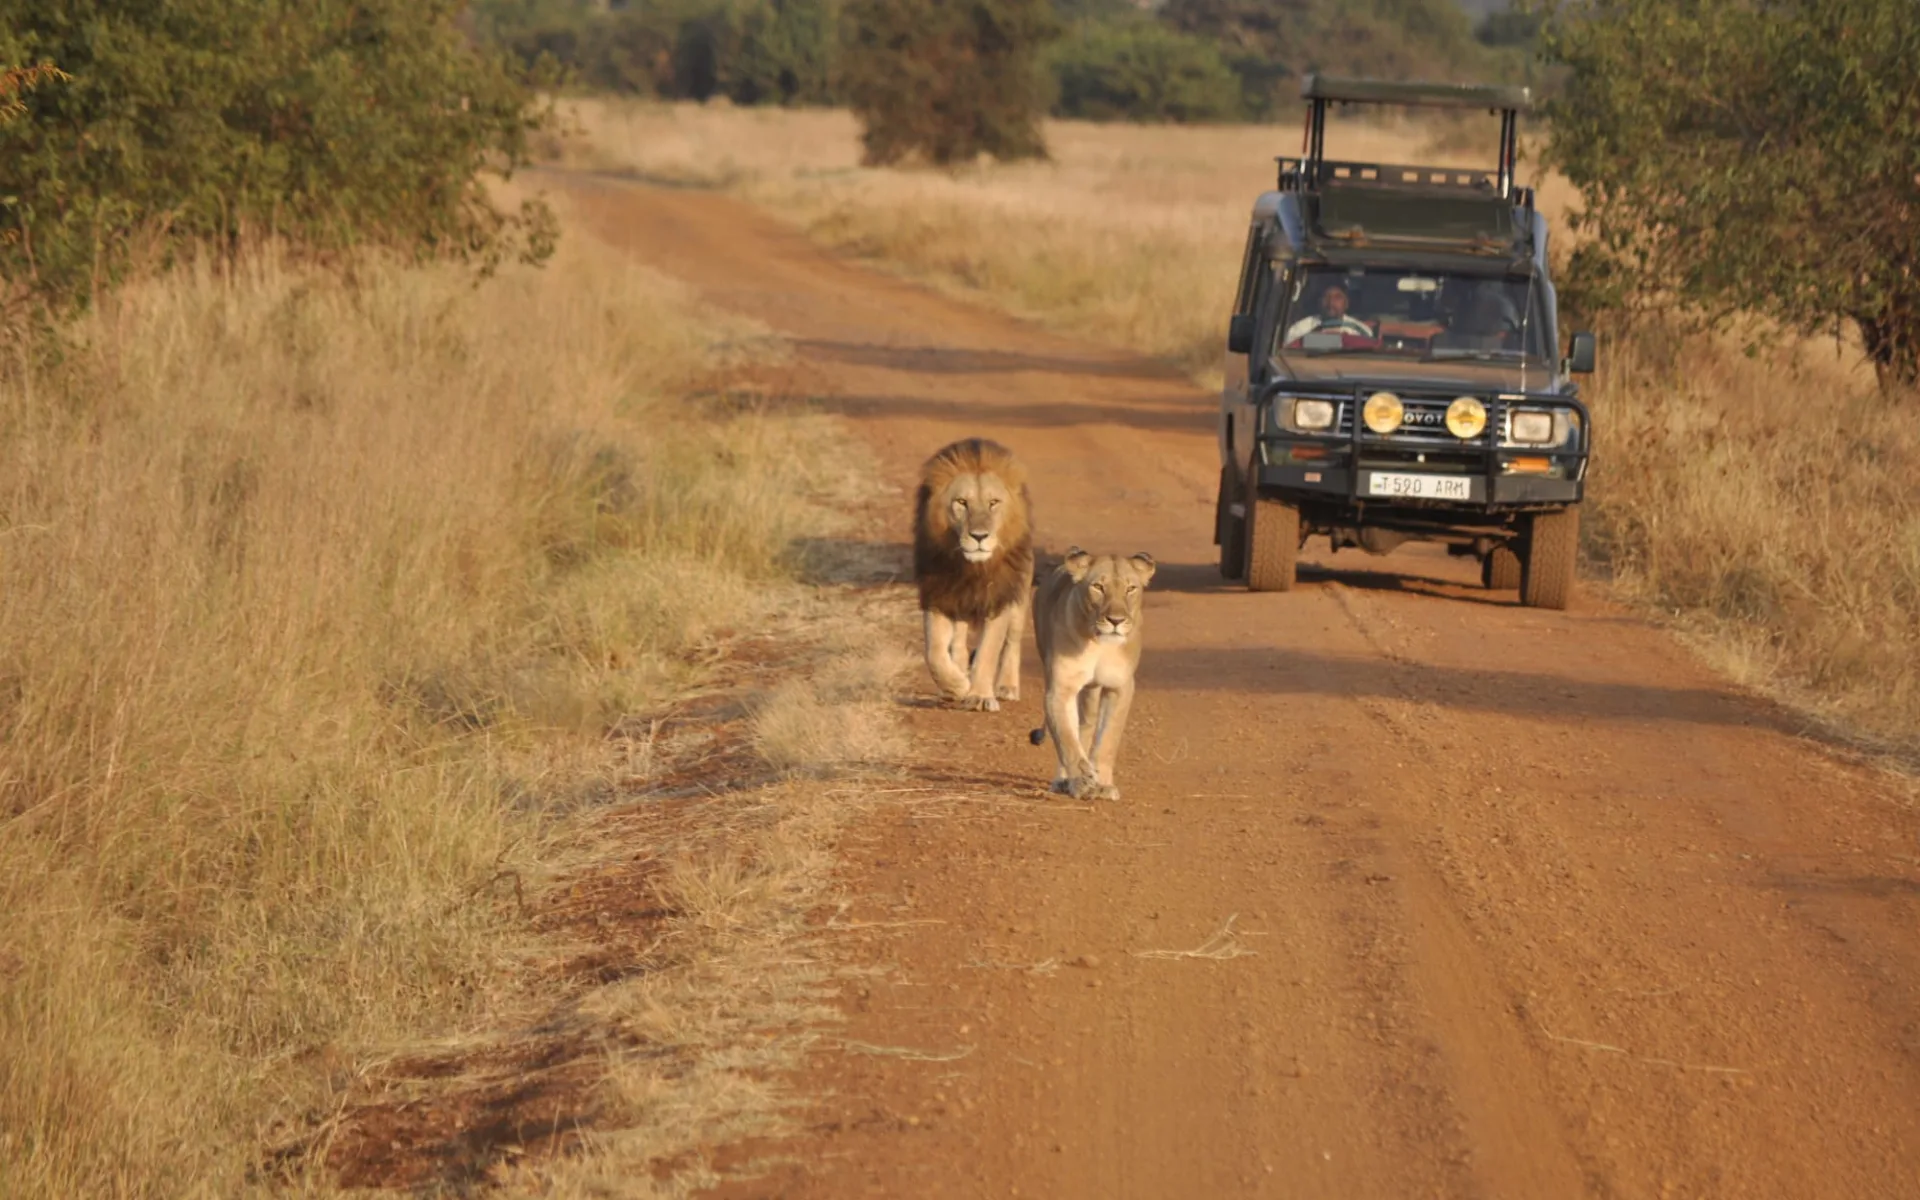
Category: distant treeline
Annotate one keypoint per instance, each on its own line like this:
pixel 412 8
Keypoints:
pixel 1176 60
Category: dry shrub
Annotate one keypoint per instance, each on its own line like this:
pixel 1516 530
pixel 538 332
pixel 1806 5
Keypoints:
pixel 1767 501
pixel 837 717
pixel 291 571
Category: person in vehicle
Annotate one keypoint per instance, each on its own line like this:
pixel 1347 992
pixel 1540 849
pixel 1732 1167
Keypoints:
pixel 1484 321
pixel 1332 318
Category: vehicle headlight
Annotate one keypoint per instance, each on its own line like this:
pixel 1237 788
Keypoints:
pixel 1466 417
pixel 1383 412
pixel 1313 414
pixel 1533 428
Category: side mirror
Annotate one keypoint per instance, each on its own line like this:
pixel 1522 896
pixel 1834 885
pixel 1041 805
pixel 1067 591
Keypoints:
pixel 1580 354
pixel 1240 334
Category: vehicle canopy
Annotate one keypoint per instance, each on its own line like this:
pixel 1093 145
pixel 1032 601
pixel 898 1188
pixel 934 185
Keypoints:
pixel 1389 207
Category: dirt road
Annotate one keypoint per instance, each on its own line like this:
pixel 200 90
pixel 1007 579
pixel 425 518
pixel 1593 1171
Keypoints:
pixel 1487 901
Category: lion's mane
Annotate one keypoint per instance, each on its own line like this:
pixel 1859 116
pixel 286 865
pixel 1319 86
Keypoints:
pixel 949 584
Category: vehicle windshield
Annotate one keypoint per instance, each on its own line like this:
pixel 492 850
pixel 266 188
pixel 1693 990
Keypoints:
pixel 1409 313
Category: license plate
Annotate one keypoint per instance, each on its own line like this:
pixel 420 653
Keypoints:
pixel 1420 487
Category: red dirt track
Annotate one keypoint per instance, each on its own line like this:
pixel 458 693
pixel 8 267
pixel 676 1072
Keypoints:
pixel 1523 904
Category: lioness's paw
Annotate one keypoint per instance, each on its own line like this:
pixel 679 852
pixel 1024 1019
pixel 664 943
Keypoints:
pixel 1105 791
pixel 1084 787
pixel 979 704
pixel 1008 691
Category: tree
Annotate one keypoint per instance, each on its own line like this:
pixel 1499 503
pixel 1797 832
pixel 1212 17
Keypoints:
pixel 1269 43
pixel 947 79
pixel 1141 71
pixel 328 122
pixel 1750 157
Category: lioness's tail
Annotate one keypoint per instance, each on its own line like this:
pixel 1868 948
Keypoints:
pixel 1037 736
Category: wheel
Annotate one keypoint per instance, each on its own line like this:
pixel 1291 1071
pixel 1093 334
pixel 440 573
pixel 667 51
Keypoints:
pixel 1273 541
pixel 1500 569
pixel 1547 569
pixel 1230 531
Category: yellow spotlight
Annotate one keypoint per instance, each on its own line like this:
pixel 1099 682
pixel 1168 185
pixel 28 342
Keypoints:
pixel 1466 417
pixel 1383 412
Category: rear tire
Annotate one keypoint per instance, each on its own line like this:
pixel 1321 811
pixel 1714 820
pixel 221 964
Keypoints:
pixel 1273 542
pixel 1231 532
pixel 1500 569
pixel 1547 571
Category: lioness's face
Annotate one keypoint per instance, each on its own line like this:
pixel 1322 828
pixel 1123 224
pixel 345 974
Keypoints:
pixel 976 506
pixel 1111 592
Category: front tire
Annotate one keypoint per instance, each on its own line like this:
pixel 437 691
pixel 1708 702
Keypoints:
pixel 1547 571
pixel 1273 542
pixel 1230 531
pixel 1500 569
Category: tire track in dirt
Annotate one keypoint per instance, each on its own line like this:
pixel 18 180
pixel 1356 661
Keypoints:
pixel 1531 905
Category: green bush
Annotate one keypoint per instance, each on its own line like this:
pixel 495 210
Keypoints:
pixel 1270 43
pixel 947 80
pixel 751 51
pixel 327 122
pixel 1738 158
pixel 1141 71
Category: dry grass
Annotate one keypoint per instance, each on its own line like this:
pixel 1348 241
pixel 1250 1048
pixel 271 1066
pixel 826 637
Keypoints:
pixel 1765 503
pixel 315 597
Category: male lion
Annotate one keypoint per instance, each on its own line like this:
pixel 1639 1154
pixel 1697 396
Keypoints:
pixel 1087 621
pixel 973 562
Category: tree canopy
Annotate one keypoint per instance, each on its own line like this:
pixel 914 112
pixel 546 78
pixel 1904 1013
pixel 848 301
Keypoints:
pixel 946 80
pixel 328 122
pixel 1749 156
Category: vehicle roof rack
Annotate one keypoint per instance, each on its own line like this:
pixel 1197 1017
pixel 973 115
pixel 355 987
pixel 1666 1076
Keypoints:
pixel 1312 171
pixel 1430 95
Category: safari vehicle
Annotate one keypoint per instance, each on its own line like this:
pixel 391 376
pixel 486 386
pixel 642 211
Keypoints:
pixel 1391 372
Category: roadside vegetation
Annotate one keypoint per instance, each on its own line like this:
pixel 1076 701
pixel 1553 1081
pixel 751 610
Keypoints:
pixel 1184 60
pixel 319 602
pixel 1754 492
pixel 347 600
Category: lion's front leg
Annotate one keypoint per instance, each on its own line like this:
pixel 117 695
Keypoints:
pixel 1114 705
pixel 1007 680
pixel 986 661
pixel 1076 775
pixel 957 648
pixel 951 678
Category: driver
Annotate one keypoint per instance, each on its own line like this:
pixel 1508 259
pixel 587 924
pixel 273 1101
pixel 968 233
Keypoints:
pixel 1332 318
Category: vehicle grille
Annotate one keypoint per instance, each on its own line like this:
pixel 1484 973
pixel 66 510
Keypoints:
pixel 1425 422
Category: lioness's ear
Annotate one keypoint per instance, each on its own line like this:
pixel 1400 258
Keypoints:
pixel 1143 566
pixel 1077 563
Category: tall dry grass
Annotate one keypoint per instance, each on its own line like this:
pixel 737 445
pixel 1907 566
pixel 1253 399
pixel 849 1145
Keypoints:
pixel 1764 502
pixel 305 585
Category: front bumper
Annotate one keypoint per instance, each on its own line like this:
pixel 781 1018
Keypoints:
pixel 1351 467
pixel 1494 491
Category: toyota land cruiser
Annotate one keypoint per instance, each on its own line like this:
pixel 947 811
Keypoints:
pixel 1391 371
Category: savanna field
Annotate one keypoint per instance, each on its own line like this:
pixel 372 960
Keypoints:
pixel 325 602
pixel 1758 498
pixel 322 601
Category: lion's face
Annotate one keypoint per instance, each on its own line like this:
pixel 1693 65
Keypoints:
pixel 976 508
pixel 1108 591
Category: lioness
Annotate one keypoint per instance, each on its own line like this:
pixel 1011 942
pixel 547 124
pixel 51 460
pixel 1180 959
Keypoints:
pixel 1087 622
pixel 973 562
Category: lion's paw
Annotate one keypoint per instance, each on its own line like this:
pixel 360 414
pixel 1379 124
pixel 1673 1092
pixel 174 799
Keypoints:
pixel 979 703
pixel 1008 691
